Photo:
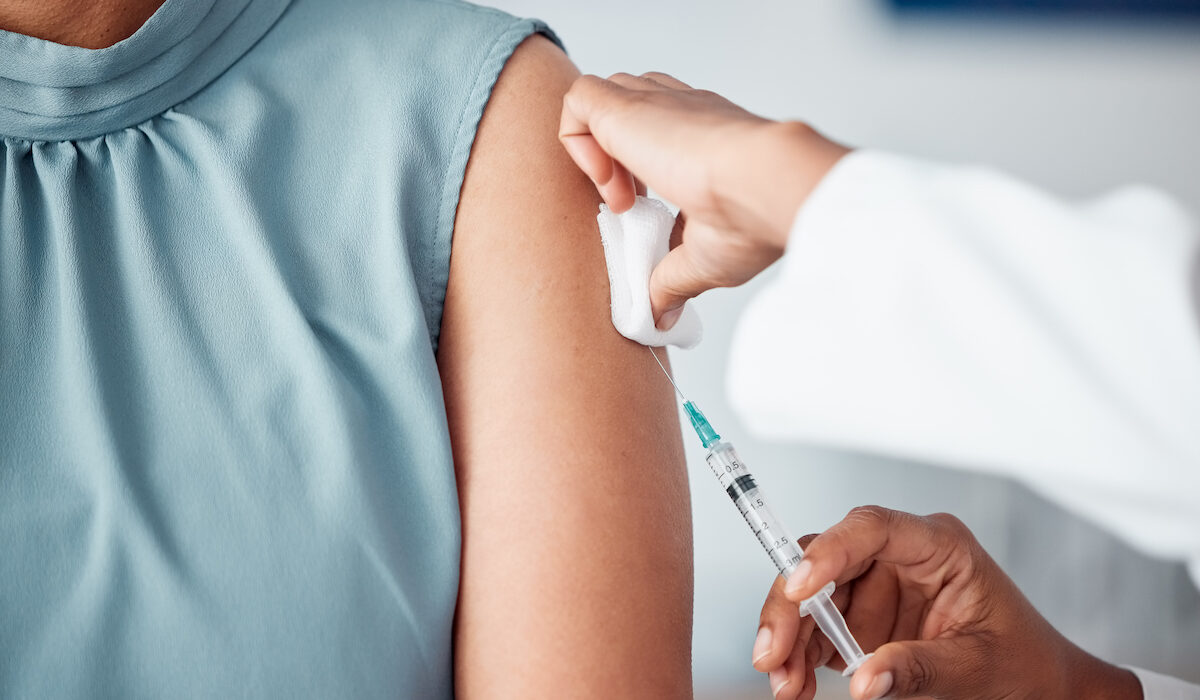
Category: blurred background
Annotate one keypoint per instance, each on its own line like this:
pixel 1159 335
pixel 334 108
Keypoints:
pixel 1077 96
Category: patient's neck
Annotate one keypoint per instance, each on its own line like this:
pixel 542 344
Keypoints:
pixel 92 24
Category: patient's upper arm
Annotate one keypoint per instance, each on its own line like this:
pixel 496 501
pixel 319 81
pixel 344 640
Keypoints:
pixel 577 551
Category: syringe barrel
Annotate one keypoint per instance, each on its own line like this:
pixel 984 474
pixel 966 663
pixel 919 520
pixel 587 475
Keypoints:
pixel 783 549
pixel 739 484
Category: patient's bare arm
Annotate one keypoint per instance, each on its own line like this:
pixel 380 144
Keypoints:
pixel 576 577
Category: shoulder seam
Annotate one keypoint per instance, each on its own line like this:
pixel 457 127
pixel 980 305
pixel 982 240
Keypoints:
pixel 486 77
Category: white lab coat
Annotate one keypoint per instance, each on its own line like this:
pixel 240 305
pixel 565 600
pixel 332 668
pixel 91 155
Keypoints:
pixel 957 316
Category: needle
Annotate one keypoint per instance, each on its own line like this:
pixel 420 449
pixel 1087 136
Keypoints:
pixel 667 374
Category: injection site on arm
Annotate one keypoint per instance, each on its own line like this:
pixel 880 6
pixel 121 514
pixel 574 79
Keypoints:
pixel 634 242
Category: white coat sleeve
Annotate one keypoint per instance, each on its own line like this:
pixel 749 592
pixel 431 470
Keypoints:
pixel 1156 686
pixel 957 316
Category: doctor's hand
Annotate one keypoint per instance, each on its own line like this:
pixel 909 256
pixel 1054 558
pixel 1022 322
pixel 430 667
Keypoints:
pixel 941 617
pixel 737 178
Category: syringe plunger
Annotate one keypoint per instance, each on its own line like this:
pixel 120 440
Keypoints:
pixel 829 619
pixel 784 551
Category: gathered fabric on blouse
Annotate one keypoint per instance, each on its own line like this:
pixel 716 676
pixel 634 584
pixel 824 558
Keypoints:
pixel 225 468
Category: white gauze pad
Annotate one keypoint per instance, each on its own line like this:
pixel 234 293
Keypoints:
pixel 634 242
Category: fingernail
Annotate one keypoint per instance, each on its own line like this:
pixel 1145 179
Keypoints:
pixel 762 644
pixel 799 577
pixel 779 680
pixel 880 685
pixel 669 318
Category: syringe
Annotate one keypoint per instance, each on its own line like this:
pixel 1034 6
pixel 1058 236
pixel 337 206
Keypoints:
pixel 784 551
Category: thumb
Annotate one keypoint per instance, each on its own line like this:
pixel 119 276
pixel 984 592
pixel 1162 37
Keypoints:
pixel 674 280
pixel 939 668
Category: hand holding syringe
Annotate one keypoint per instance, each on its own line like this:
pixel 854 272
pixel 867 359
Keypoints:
pixel 991 652
pixel 783 549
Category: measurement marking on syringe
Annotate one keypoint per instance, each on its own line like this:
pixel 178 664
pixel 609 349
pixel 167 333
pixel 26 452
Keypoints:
pixel 784 552
pixel 740 486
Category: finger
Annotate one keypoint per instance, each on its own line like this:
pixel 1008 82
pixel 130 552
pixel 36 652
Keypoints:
pixel 586 97
pixel 810 672
pixel 590 157
pixel 615 118
pixel 619 192
pixel 677 230
pixel 867 534
pixel 635 82
pixel 796 670
pixel 580 126
pixel 612 180
pixel 871 613
pixel 778 627
pixel 667 81
pixel 941 667
pixel 911 607
pixel 675 280
pixel 802 662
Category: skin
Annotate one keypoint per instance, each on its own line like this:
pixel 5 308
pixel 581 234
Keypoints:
pixel 90 24
pixel 942 618
pixel 576 582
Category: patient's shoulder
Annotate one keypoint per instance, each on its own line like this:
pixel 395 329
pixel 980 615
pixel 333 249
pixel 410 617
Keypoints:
pixel 524 204
pixel 516 160
pixel 383 32
pixel 526 249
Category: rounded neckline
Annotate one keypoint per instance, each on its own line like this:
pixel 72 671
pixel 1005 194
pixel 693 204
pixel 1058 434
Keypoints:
pixel 55 92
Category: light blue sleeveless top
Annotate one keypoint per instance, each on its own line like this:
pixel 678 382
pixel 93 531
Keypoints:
pixel 225 469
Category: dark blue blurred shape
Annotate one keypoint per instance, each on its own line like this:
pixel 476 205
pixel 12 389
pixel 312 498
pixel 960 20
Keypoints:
pixel 1124 8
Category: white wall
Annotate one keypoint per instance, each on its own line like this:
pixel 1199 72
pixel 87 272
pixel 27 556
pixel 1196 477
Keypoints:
pixel 1074 106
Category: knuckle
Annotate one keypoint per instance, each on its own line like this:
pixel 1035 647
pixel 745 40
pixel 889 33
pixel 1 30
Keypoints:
pixel 655 75
pixel 958 544
pixel 979 675
pixel 950 525
pixel 802 130
pixel 919 673
pixel 872 515
pixel 640 97
pixel 581 90
pixel 584 83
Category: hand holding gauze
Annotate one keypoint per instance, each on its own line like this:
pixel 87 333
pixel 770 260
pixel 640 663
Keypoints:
pixel 737 178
